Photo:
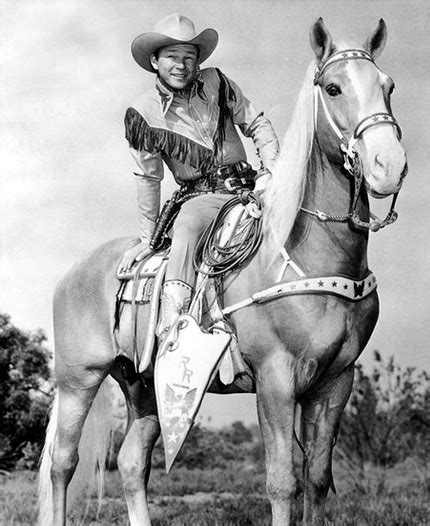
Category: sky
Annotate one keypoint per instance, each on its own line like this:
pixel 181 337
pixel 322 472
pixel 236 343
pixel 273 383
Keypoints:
pixel 66 183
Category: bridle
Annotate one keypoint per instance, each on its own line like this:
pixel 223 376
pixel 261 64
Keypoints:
pixel 352 162
pixel 345 287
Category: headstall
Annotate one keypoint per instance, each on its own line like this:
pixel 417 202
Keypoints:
pixel 341 286
pixel 351 160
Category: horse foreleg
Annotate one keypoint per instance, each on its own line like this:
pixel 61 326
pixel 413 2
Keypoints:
pixel 73 407
pixel 134 458
pixel 275 402
pixel 321 417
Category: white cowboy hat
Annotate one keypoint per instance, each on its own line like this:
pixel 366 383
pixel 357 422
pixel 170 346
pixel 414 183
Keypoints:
pixel 174 29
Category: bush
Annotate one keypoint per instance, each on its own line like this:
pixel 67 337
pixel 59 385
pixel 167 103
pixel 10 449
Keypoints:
pixel 388 416
pixel 25 394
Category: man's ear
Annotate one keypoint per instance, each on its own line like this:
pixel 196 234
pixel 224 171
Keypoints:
pixel 154 62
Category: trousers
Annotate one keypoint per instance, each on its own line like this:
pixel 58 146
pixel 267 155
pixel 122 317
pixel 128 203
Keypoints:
pixel 193 219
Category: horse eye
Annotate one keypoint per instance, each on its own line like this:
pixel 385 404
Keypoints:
pixel 333 90
pixel 390 91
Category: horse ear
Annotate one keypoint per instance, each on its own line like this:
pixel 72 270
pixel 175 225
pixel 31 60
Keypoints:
pixel 376 41
pixel 321 41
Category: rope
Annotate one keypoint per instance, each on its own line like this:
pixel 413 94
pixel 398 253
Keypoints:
pixel 242 244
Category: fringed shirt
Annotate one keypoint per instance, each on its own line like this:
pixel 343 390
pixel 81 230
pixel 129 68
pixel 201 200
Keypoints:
pixel 193 133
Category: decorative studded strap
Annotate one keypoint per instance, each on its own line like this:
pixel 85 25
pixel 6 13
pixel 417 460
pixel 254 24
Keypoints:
pixel 350 289
pixel 375 120
pixel 347 54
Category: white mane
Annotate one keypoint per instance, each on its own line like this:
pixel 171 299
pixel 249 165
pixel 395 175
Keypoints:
pixel 284 193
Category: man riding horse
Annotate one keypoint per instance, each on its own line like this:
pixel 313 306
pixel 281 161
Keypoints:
pixel 188 122
pixel 301 322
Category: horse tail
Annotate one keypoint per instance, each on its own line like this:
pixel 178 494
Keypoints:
pixel 94 448
pixel 45 487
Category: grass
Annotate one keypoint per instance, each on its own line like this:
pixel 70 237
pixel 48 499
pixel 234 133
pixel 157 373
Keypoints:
pixel 236 496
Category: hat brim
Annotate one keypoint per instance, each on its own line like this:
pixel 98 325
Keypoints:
pixel 146 44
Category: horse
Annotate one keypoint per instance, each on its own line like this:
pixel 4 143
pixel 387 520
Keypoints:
pixel 299 346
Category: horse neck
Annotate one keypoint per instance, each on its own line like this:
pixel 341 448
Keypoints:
pixel 327 248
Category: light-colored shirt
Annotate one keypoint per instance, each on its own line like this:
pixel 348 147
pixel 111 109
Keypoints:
pixel 193 133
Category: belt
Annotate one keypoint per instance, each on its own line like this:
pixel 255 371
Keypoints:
pixel 226 179
pixel 205 184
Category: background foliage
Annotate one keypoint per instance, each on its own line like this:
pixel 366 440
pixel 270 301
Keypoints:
pixel 25 395
pixel 387 419
pixel 388 415
pixel 381 465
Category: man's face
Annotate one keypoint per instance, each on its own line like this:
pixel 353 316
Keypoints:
pixel 176 65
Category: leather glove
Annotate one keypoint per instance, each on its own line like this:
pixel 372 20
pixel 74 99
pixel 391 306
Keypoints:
pixel 136 253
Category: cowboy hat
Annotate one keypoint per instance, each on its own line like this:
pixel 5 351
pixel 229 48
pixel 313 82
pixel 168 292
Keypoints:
pixel 174 29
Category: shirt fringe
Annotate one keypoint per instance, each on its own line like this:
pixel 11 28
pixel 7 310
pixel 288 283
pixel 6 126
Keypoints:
pixel 141 136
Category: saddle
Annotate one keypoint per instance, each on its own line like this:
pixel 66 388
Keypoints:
pixel 140 289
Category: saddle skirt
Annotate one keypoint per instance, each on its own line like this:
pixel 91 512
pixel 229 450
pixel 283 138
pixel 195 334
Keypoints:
pixel 138 282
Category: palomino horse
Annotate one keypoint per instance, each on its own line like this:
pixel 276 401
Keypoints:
pixel 299 345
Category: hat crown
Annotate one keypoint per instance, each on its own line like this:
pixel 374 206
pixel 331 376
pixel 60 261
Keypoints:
pixel 176 26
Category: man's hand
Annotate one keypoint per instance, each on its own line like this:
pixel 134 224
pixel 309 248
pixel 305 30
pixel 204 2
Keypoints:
pixel 136 253
pixel 261 182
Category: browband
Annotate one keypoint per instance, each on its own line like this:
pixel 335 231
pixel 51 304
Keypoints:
pixel 347 54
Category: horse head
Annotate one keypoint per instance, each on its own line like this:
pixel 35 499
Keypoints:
pixel 353 116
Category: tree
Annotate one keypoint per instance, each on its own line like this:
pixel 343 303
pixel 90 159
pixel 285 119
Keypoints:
pixel 25 394
pixel 388 416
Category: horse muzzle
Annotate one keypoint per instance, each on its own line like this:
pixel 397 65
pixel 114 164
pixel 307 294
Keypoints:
pixel 385 178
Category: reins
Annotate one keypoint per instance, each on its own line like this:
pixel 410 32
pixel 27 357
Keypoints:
pixel 375 224
pixel 352 162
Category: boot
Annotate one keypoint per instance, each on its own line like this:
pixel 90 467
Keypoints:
pixel 175 300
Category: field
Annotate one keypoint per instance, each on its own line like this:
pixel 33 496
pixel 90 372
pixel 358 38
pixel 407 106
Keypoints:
pixel 235 495
pixel 381 458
